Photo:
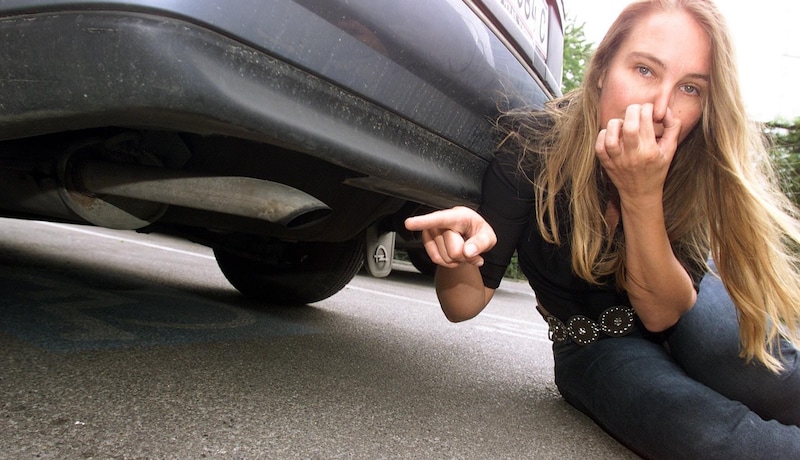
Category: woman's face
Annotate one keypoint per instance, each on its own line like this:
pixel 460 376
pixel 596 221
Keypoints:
pixel 665 61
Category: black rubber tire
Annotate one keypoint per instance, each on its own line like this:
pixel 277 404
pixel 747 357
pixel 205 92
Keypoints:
pixel 420 260
pixel 306 273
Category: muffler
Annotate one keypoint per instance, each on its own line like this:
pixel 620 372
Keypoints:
pixel 235 195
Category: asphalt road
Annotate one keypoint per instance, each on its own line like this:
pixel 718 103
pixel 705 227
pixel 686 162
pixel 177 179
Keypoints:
pixel 119 345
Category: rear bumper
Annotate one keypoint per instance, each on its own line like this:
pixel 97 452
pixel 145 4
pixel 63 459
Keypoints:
pixel 410 129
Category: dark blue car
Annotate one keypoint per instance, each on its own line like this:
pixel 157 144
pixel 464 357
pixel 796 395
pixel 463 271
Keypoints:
pixel 291 136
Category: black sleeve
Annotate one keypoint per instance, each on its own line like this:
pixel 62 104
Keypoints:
pixel 697 271
pixel 696 268
pixel 507 206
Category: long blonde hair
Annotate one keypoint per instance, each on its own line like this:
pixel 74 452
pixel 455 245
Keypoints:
pixel 721 194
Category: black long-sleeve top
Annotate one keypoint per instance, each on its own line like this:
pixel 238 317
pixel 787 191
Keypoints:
pixel 508 205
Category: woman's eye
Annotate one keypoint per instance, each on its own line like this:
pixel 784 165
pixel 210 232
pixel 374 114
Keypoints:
pixel 691 90
pixel 643 70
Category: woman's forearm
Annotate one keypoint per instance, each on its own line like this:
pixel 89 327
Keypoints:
pixel 461 292
pixel 658 285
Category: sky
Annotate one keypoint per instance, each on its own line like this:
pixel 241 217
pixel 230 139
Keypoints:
pixel 766 34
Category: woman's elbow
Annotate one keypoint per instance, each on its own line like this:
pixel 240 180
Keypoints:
pixel 457 316
pixel 659 325
pixel 661 321
pixel 467 305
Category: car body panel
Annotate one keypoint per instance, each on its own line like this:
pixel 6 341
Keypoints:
pixel 376 108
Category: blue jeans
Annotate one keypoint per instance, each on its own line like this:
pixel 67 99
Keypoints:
pixel 697 400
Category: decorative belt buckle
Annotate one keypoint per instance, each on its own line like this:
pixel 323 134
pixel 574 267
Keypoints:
pixel 583 330
pixel 616 321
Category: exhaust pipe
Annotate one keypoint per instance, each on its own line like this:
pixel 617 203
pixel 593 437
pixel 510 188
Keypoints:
pixel 241 196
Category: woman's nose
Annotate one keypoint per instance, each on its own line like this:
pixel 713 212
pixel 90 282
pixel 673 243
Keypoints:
pixel 662 99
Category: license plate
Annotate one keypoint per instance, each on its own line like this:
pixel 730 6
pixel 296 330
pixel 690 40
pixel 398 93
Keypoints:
pixel 526 20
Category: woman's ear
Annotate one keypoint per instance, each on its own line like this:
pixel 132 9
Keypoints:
pixel 600 82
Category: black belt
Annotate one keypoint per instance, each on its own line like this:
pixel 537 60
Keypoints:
pixel 613 322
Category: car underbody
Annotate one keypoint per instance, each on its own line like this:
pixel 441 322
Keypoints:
pixel 294 144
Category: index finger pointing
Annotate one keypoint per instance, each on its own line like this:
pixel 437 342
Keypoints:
pixel 446 219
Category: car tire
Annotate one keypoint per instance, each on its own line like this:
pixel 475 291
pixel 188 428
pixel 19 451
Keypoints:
pixel 420 260
pixel 305 272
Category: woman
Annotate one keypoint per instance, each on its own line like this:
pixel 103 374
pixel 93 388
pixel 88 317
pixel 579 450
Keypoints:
pixel 613 198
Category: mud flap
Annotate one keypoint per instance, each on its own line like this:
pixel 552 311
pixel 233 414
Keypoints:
pixel 379 252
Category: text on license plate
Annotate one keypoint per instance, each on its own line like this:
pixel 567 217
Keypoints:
pixel 531 19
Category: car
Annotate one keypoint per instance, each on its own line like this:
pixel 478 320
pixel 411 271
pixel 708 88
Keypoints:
pixel 292 137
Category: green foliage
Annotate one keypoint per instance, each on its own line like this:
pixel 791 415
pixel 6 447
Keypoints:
pixel 785 137
pixel 513 271
pixel 577 51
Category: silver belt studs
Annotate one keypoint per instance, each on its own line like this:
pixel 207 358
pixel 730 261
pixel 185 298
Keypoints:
pixel 613 322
